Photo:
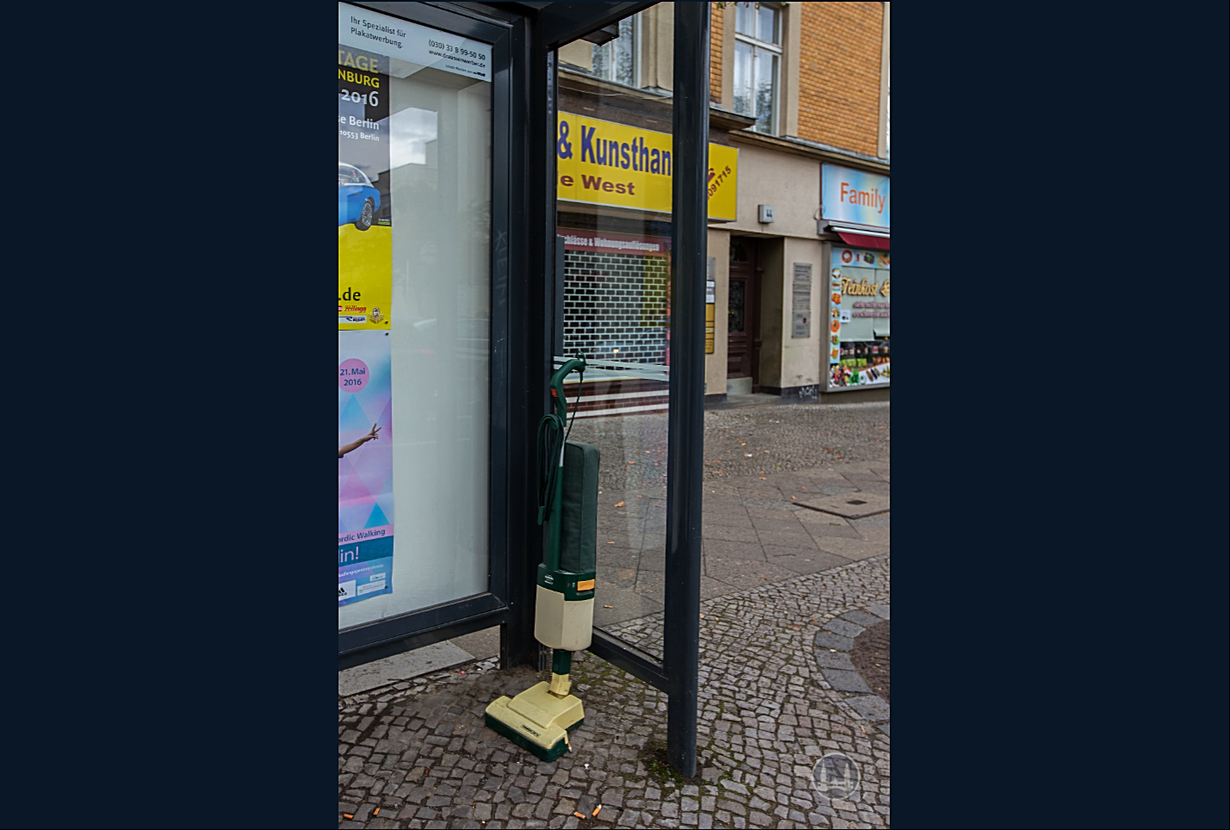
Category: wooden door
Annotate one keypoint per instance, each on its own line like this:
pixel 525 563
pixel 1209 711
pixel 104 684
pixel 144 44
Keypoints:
pixel 743 311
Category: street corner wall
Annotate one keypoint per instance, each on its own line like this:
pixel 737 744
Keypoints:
pixel 715 364
pixel 839 75
pixel 800 358
pixel 790 183
pixel 789 363
pixel 772 316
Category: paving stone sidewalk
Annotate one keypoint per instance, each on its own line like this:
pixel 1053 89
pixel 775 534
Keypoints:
pixel 788 489
pixel 777 693
pixel 419 753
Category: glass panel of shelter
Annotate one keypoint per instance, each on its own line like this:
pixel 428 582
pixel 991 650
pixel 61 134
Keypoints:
pixel 614 165
pixel 419 484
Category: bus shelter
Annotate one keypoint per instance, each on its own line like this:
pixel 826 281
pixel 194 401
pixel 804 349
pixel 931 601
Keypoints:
pixel 498 213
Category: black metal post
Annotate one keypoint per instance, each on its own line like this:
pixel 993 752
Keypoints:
pixel 690 144
pixel 531 244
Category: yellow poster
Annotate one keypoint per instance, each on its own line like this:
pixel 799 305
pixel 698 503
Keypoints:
pixel 604 163
pixel 364 277
pixel 364 216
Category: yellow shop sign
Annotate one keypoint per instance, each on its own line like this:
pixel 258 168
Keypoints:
pixel 604 163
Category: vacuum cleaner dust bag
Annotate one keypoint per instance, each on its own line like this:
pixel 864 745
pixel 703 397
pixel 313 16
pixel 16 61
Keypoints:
pixel 579 528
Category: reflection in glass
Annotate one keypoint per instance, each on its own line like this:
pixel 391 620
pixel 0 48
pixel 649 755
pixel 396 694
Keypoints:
pixel 766 91
pixel 757 54
pixel 745 19
pixel 616 59
pixel 743 79
pixel 411 130
pixel 766 23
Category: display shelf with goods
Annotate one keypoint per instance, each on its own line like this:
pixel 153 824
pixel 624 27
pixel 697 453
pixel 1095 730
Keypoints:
pixel 859 312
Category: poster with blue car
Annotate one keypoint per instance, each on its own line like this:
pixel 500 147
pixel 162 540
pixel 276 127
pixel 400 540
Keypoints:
pixel 357 199
pixel 362 139
pixel 364 217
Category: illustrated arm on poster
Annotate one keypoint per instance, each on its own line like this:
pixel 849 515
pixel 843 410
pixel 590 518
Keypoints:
pixel 354 445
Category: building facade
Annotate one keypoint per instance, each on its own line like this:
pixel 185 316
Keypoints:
pixel 799 227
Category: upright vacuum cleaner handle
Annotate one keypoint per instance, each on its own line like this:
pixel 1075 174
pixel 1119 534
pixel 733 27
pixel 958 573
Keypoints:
pixel 558 401
pixel 553 432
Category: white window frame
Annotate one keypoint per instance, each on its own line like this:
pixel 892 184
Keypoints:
pixel 883 141
pixel 755 44
pixel 635 25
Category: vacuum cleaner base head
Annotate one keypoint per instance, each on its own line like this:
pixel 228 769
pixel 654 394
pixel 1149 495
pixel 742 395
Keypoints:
pixel 537 720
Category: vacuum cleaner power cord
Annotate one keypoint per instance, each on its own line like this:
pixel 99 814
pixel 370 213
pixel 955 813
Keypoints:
pixel 550 445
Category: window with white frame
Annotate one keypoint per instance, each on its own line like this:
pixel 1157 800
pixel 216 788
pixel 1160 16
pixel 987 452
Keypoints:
pixel 758 55
pixel 615 60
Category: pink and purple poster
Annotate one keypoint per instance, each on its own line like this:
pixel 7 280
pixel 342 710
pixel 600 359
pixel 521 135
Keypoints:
pixel 364 466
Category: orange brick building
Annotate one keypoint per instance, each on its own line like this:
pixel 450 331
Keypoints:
pixel 815 75
pixel 841 54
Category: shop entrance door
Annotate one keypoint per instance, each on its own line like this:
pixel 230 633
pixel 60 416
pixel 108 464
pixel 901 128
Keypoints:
pixel 743 312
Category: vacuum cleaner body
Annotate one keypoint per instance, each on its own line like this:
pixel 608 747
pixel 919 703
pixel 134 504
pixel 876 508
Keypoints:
pixel 540 718
pixel 564 614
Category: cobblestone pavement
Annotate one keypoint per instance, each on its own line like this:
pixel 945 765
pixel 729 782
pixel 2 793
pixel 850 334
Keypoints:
pixel 418 751
pixel 837 647
pixel 779 579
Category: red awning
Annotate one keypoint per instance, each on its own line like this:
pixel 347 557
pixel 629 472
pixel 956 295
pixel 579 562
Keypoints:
pixel 858 240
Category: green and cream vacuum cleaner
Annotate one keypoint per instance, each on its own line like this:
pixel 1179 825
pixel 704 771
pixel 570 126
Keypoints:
pixel 540 718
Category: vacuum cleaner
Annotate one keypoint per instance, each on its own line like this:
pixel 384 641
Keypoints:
pixel 540 718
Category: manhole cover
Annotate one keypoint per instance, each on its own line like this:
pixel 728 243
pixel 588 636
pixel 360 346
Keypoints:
pixel 847 505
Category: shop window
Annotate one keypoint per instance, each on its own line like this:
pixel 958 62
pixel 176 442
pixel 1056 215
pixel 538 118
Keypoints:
pixel 615 60
pixel 758 55
pixel 860 309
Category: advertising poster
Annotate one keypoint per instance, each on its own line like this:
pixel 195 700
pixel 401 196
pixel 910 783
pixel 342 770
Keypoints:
pixel 604 163
pixel 364 295
pixel 859 316
pixel 364 216
pixel 364 466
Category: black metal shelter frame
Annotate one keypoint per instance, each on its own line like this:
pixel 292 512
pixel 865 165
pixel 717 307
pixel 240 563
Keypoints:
pixel 524 37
